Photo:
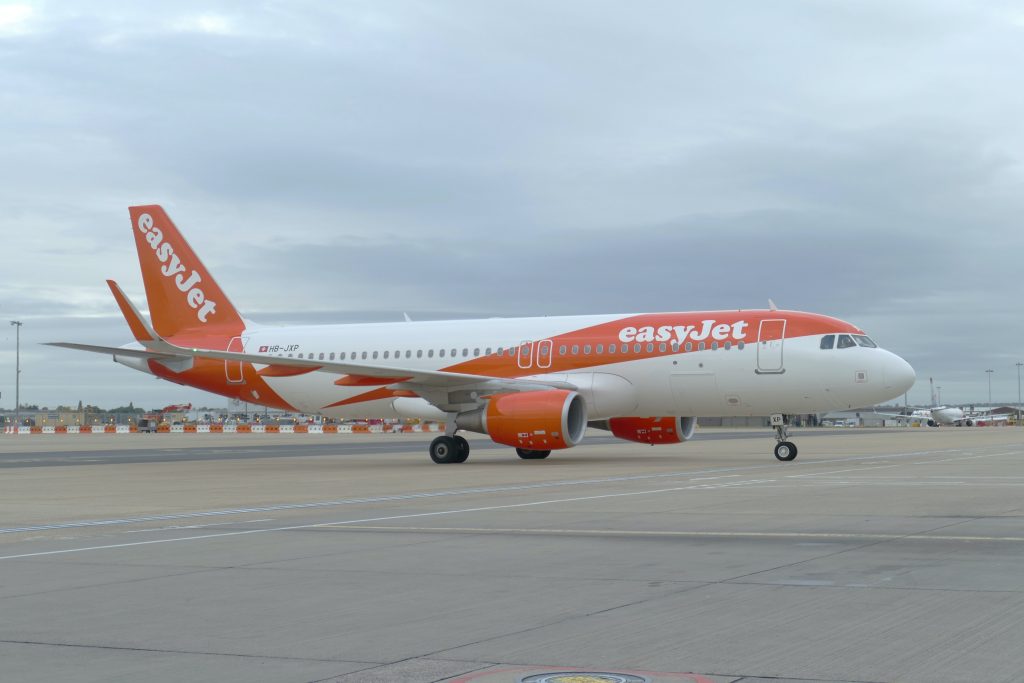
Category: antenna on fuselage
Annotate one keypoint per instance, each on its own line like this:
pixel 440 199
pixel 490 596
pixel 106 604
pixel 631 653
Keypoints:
pixel 407 318
pixel 772 306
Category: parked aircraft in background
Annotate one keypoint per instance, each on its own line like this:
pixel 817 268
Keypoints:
pixel 947 415
pixel 531 383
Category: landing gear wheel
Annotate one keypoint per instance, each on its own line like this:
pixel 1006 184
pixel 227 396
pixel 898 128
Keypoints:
pixel 785 451
pixel 445 450
pixel 527 454
pixel 461 448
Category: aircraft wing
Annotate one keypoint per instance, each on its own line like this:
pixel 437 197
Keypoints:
pixel 357 374
pixel 352 374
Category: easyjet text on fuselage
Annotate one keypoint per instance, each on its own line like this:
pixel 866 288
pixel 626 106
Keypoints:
pixel 707 329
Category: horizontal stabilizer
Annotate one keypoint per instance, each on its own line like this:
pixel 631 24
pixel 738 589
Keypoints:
pixel 118 351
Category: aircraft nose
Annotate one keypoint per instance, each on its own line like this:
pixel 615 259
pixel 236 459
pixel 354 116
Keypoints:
pixel 899 376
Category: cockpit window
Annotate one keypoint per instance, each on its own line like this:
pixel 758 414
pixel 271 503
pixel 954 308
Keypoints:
pixel 845 342
pixel 828 341
pixel 865 341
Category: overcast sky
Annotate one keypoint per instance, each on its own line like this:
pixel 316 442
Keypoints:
pixel 346 161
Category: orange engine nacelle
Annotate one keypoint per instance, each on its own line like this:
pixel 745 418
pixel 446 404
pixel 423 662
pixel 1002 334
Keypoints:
pixel 534 420
pixel 653 430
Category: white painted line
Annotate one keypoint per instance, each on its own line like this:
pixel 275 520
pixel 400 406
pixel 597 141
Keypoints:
pixel 438 513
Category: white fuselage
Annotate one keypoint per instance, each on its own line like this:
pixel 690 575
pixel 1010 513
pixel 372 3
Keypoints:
pixel 743 377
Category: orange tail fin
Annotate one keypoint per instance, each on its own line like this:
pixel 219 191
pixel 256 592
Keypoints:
pixel 182 294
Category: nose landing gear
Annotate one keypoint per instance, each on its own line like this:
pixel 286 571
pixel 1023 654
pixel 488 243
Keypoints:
pixel 785 450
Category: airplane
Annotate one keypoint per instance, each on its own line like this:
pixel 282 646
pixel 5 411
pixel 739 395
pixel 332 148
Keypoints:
pixel 534 384
pixel 947 415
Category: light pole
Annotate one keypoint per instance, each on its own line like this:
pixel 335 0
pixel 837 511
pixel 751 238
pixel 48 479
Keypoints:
pixel 1018 392
pixel 17 371
pixel 989 373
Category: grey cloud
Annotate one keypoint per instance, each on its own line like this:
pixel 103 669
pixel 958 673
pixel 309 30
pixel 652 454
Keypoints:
pixel 357 160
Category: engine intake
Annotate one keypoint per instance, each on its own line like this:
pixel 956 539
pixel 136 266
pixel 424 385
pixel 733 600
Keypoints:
pixel 650 430
pixel 535 420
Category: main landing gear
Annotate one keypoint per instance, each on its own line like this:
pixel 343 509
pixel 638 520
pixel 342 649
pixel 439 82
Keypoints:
pixel 445 450
pixel 785 450
pixel 449 449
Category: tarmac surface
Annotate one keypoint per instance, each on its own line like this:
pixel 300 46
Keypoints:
pixel 876 556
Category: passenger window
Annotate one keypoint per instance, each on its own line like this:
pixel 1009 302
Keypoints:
pixel 714 346
pixel 476 352
pixel 586 349
pixel 332 355
pixel 865 341
pixel 650 347
pixel 662 347
pixel 740 346
pixel 675 347
pixel 320 357
pixel 700 347
pixel 845 342
pixel 419 353
pixel 386 355
pixel 600 348
pixel 612 348
pixel 728 345
pixel 375 355
pixel 454 352
pixel 828 341
pixel 689 346
pixel 544 350
pixel 500 350
pixel 408 354
pixel 487 351
pixel 575 349
pixel 562 350
pixel 441 353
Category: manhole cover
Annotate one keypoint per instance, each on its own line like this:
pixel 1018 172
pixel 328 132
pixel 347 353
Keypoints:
pixel 583 677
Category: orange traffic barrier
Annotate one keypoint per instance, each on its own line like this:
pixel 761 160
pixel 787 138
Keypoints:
pixel 330 429
pixel 190 428
pixel 273 429
pixel 217 428
pixel 60 429
pixel 302 429
pixel 247 429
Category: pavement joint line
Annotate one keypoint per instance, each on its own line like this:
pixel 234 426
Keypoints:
pixel 681 534
pixel 431 494
pixel 182 652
